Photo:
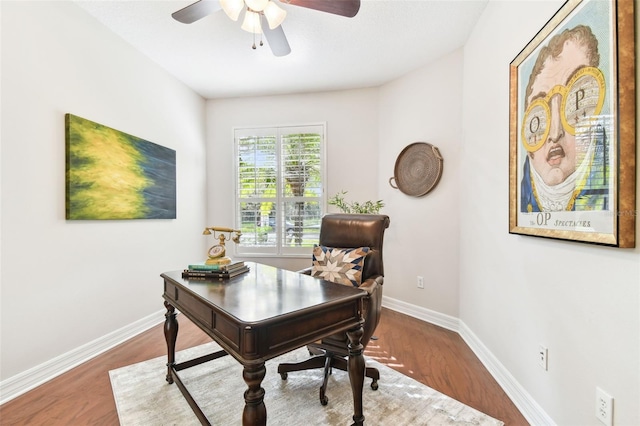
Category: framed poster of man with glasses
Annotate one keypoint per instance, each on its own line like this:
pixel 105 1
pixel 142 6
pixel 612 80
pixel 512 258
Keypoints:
pixel 572 127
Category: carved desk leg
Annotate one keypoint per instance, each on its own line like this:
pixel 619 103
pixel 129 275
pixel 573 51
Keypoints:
pixel 356 369
pixel 255 412
pixel 170 335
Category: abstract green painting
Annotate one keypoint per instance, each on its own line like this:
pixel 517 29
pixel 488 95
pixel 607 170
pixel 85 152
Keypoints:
pixel 113 175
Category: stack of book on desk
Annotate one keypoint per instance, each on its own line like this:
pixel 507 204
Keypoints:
pixel 215 272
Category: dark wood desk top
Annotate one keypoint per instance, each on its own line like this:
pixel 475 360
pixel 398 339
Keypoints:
pixel 266 292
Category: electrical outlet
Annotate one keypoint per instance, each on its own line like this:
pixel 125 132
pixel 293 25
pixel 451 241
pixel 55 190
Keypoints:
pixel 543 354
pixel 420 282
pixel 604 407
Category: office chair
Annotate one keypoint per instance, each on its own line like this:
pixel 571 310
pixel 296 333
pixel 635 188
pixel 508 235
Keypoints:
pixel 348 231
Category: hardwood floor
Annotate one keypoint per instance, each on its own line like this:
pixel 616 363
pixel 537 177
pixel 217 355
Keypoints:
pixel 440 359
pixel 432 355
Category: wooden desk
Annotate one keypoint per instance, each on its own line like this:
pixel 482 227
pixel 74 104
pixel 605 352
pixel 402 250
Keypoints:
pixel 259 315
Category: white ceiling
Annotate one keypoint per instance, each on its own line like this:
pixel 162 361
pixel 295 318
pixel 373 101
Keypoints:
pixel 213 56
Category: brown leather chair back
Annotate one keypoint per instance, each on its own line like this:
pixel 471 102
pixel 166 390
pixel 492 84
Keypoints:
pixel 357 230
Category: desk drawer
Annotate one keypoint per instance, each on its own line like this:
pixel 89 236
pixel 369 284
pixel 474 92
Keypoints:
pixel 289 334
pixel 203 315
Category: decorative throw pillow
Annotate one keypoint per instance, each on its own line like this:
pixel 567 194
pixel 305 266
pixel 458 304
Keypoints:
pixel 339 265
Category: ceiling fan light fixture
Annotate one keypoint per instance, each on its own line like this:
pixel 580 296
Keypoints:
pixel 232 8
pixel 275 15
pixel 252 22
pixel 256 5
pixel 264 14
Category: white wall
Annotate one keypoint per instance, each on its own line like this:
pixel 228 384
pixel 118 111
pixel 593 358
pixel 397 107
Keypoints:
pixel 423 106
pixel 580 301
pixel 56 59
pixel 67 283
pixel 352 145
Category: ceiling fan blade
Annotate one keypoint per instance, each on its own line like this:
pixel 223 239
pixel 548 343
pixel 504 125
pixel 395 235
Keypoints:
pixel 276 38
pixel 196 11
pixel 348 8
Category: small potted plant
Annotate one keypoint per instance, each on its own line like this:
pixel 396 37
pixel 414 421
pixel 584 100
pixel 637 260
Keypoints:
pixel 368 207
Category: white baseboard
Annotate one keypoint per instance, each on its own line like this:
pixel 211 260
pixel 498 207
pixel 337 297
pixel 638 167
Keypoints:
pixel 34 377
pixel 424 314
pixel 529 408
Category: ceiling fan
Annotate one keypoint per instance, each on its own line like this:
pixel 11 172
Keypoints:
pixel 264 16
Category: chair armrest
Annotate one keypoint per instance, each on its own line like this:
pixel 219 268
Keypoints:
pixel 372 305
pixel 371 284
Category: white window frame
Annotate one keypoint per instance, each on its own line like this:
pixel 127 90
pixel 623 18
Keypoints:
pixel 279 250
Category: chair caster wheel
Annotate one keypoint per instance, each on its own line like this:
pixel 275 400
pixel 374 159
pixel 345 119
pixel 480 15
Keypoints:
pixel 324 400
pixel 284 376
pixel 374 385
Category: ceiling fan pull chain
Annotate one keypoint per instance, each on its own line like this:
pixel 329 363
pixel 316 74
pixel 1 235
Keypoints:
pixel 254 41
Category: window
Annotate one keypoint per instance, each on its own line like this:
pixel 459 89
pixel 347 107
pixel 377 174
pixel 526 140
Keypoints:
pixel 279 189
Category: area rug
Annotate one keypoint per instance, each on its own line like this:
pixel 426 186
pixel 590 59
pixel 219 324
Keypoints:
pixel 143 397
